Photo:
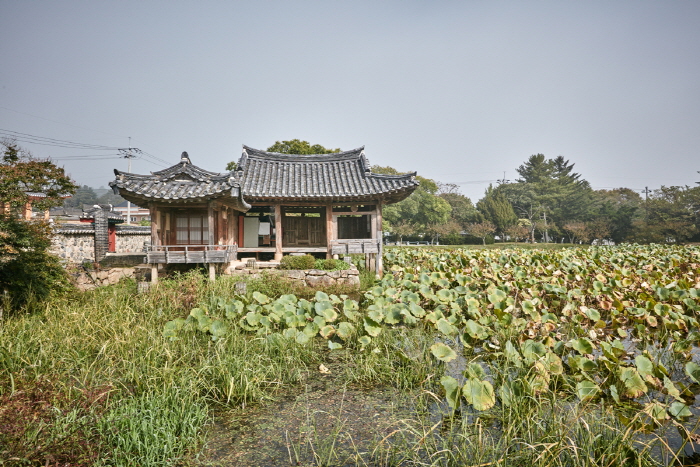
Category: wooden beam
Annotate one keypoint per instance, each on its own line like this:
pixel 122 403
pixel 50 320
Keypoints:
pixel 329 229
pixel 278 232
pixel 380 238
pixel 155 239
pixel 210 223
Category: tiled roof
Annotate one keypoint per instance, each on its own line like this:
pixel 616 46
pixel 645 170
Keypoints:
pixel 344 176
pixel 111 215
pixel 183 182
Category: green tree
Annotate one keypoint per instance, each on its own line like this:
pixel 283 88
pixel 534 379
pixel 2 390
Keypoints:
pixel 496 208
pixel 671 216
pixel 422 209
pixel 296 146
pixel 463 210
pixel 83 195
pixel 28 273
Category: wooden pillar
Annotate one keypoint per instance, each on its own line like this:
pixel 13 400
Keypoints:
pixel 155 224
pixel 329 230
pixel 210 223
pixel 154 273
pixel 212 272
pixel 278 232
pixel 380 238
pixel 28 211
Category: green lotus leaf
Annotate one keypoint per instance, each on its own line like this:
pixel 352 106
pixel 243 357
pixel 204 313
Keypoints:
pixel 475 330
pixel 327 331
pixel 334 345
pixel 171 329
pixel 511 391
pixel 350 308
pixel 372 327
pixel 393 315
pixel 234 309
pixel 693 370
pixel 444 295
pixel 582 345
pixel 302 338
pixel 442 352
pixel 592 314
pixel 261 298
pixel 634 384
pixel 479 394
pixel 586 390
pixel 451 390
pixel 416 310
pixel 345 330
pixel 311 329
pixel 474 371
pixel 679 410
pixel 445 327
pixel 512 354
pixel 218 329
pixel 553 363
pixel 290 333
pixel 364 341
pixel 532 350
pixel 644 366
pixel 321 296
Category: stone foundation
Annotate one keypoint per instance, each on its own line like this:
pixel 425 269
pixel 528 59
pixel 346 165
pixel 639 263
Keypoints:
pixel 88 280
pixel 312 277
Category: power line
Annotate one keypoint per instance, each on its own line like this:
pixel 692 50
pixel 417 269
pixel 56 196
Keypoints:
pixel 42 140
pixel 60 123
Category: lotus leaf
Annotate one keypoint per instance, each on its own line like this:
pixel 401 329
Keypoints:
pixel 452 391
pixel 393 315
pixel 171 328
pixel 445 327
pixel 539 378
pixel 511 392
pixel 302 338
pixel 644 366
pixel 372 327
pixel 345 330
pixel 582 345
pixel 442 352
pixel 327 331
pixel 587 390
pixel 479 394
pixel 218 329
pixel 693 370
pixel 679 410
pixel 634 384
pixel 656 410
pixel 364 341
pixel 475 331
pixel 334 345
pixel 532 350
pixel 475 370
pixel 261 298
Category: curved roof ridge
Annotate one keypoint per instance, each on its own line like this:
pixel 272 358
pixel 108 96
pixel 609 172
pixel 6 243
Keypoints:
pixel 330 157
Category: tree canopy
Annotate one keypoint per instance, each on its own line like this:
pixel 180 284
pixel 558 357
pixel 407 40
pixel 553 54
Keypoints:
pixel 296 146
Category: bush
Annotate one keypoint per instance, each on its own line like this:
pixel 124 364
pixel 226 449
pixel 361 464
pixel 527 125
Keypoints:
pixel 297 262
pixel 331 264
pixel 28 272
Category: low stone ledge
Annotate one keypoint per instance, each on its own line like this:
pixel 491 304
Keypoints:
pixel 312 277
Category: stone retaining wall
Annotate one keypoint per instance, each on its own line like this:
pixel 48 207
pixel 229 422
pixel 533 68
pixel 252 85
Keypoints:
pixel 75 243
pixel 313 277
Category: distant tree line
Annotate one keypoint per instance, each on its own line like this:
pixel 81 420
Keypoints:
pixel 549 202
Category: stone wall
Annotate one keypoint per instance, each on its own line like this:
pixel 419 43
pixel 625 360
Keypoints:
pixel 74 244
pixel 87 280
pixel 131 239
pixel 313 277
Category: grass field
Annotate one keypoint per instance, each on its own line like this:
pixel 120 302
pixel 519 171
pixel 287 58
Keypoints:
pixel 92 379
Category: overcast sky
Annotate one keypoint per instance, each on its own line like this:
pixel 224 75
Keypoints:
pixel 459 91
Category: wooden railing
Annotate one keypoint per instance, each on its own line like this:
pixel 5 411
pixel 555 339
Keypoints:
pixel 167 254
pixel 348 246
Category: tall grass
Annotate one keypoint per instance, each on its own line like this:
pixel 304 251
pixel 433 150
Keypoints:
pixel 161 392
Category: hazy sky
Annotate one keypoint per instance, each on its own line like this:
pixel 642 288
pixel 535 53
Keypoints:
pixel 460 91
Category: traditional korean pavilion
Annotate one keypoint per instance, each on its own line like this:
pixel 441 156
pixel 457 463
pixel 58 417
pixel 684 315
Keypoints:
pixel 271 203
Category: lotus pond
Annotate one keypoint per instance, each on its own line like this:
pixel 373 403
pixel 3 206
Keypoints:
pixel 568 357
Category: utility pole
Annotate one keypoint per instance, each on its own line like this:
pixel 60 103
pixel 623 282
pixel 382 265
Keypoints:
pixel 128 154
pixel 503 180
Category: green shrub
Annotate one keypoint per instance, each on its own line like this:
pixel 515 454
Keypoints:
pixel 297 262
pixel 331 264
